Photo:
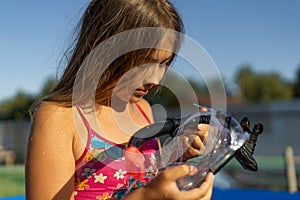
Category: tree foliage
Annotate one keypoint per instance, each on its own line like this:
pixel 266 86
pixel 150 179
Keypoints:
pixel 48 86
pixel 296 84
pixel 262 86
pixel 253 86
pixel 17 107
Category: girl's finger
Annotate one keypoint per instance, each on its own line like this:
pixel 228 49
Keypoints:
pixel 198 143
pixel 204 191
pixel 203 131
pixel 202 109
pixel 177 172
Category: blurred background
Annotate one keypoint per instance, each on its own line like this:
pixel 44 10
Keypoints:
pixel 254 44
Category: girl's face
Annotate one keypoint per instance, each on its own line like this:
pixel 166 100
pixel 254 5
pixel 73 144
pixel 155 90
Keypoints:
pixel 137 82
pixel 152 74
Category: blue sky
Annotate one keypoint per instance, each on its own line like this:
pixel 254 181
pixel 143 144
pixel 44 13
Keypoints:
pixel 262 33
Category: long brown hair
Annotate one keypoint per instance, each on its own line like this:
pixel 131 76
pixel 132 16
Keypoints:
pixel 101 20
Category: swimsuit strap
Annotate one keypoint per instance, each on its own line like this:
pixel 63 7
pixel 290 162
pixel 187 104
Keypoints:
pixel 85 121
pixel 90 133
pixel 143 113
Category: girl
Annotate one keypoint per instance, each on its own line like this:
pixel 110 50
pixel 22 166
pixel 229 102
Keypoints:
pixel 79 132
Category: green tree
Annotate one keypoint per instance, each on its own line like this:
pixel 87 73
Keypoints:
pixel 48 86
pixel 296 84
pixel 245 80
pixel 17 107
pixel 262 86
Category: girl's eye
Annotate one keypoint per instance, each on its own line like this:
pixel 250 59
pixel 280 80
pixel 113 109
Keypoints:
pixel 163 65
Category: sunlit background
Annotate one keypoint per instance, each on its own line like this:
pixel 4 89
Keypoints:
pixel 254 44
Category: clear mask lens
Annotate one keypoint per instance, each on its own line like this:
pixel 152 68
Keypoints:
pixel 224 137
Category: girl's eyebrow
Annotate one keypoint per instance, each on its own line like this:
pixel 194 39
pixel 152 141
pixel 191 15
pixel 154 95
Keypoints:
pixel 163 61
pixel 167 59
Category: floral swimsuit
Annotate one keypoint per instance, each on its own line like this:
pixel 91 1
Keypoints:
pixel 101 172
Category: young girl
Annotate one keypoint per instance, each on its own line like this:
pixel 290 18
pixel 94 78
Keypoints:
pixel 80 131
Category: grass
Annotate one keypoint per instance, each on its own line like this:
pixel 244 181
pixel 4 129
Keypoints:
pixel 12 180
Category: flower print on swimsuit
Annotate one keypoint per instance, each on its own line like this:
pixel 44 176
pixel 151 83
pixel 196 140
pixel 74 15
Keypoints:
pixel 113 151
pixel 152 159
pixel 151 171
pixel 81 184
pixel 132 184
pixel 88 172
pixel 105 196
pixel 89 156
pixel 120 174
pixel 100 178
pixel 99 155
pixel 97 142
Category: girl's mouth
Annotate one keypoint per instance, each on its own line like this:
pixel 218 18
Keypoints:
pixel 144 90
pixel 141 92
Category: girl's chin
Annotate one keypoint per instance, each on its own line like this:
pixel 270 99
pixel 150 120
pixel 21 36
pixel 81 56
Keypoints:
pixel 136 98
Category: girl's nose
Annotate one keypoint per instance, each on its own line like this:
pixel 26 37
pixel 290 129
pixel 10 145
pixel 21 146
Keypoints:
pixel 156 73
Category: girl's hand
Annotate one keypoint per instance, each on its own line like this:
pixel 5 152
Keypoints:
pixel 164 186
pixel 193 143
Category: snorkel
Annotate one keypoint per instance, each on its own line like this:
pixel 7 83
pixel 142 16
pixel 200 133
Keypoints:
pixel 227 139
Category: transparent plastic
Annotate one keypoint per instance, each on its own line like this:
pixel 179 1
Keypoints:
pixel 225 136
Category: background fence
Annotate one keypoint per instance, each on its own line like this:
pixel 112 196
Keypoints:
pixel 13 137
pixel 281 122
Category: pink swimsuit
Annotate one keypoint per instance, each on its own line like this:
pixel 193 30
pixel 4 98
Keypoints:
pixel 101 172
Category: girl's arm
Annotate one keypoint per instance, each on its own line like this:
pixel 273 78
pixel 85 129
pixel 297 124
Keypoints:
pixel 164 187
pixel 50 162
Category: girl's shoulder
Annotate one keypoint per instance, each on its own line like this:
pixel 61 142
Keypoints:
pixel 51 144
pixel 51 117
pixel 48 111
